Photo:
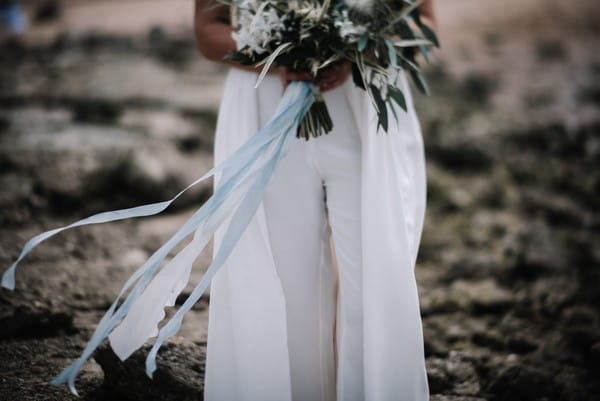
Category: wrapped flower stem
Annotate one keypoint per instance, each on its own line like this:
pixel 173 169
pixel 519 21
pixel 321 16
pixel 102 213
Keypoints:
pixel 317 120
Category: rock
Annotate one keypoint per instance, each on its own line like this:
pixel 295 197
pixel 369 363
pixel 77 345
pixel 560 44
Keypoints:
pixel 581 316
pixel 484 296
pixel 551 50
pixel 25 322
pixel 520 344
pixel 520 382
pixel 455 375
pixel 479 297
pixel 438 302
pixel 91 110
pixel 435 336
pixel 594 356
pixel 438 378
pixel 583 337
pixel 557 209
pixel 477 87
pixel 535 251
pixel 48 11
pixel 459 155
pixel 173 51
pixel 489 339
pixel 179 375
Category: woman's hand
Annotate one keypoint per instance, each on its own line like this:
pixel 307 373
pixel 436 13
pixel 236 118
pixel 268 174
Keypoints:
pixel 329 78
pixel 334 76
pixel 286 75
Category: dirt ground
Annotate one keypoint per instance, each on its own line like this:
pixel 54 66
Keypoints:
pixel 106 104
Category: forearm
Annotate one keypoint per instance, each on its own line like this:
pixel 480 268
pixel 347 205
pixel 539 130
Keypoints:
pixel 213 33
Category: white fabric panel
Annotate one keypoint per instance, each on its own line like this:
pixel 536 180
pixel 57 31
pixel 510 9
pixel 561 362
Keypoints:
pixel 247 356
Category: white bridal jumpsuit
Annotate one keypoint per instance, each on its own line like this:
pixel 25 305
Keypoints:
pixel 284 323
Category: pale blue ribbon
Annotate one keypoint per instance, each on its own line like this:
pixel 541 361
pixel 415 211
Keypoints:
pixel 248 169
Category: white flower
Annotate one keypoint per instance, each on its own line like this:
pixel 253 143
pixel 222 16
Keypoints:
pixel 257 30
pixel 361 5
pixel 348 30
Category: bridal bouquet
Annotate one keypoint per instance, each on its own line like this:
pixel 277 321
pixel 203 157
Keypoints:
pixel 379 37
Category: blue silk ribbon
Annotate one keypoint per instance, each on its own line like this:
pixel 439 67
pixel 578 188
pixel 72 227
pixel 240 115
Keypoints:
pixel 244 178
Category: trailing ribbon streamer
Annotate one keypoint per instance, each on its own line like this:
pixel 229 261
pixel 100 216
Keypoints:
pixel 245 175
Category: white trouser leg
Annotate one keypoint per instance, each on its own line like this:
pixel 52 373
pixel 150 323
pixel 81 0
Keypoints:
pixel 338 158
pixel 296 220
pixel 295 215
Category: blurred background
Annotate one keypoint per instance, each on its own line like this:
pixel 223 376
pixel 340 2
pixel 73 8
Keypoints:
pixel 106 104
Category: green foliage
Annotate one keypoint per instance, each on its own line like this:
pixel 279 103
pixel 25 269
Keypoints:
pixel 397 96
pixel 382 112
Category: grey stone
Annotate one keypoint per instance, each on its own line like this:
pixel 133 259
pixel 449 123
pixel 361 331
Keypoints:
pixel 179 375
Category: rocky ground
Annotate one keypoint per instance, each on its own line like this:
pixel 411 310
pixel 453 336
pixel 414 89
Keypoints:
pixel 509 264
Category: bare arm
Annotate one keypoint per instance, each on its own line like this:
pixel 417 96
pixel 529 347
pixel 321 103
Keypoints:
pixel 213 33
pixel 213 29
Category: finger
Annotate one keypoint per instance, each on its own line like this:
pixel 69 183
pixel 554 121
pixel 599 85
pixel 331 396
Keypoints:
pixel 326 85
pixel 329 80
pixel 298 76
pixel 329 85
pixel 327 74
pixel 334 73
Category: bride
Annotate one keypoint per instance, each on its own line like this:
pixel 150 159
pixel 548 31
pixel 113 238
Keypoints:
pixel 318 301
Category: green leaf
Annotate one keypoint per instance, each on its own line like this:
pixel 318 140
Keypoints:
pixel 362 42
pixel 392 53
pixel 410 65
pixel 357 77
pixel 397 96
pixel 412 42
pixel 419 82
pixel 324 9
pixel 425 52
pixel 381 108
pixel 269 61
pixel 404 30
pixel 239 57
pixel 429 34
pixel 393 109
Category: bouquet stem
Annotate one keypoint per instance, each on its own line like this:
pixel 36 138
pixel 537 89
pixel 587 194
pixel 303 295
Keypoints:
pixel 317 120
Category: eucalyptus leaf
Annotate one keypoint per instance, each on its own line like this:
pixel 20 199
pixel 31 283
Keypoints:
pixel 360 62
pixel 420 82
pixel 414 6
pixel 392 53
pixel 362 42
pixel 413 66
pixel 405 31
pixel 381 108
pixel 269 61
pixel 429 34
pixel 412 42
pixel 330 60
pixel 393 109
pixel 357 77
pixel 425 52
pixel 397 96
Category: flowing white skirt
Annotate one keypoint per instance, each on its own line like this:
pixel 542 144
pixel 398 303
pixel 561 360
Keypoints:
pixel 249 355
